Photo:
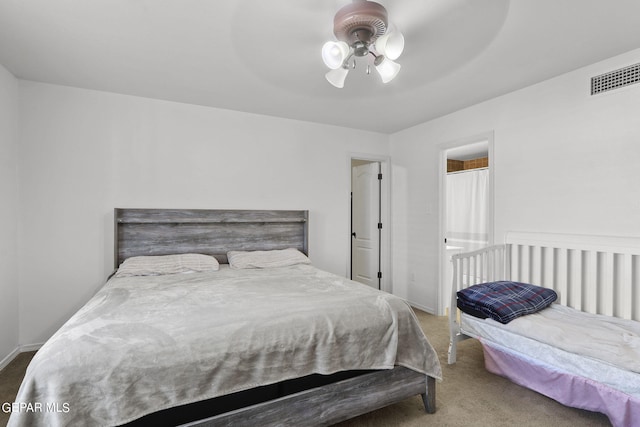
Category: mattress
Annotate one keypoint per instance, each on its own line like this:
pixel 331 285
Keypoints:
pixel 143 344
pixel 601 348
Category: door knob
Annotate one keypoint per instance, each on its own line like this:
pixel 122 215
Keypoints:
pixel 354 234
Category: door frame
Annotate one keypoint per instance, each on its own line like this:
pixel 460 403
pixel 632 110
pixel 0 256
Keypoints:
pixel 444 289
pixel 385 247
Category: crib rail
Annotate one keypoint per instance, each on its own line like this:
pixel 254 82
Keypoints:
pixel 595 274
pixel 482 265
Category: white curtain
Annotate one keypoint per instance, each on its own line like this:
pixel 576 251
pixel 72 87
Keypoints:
pixel 467 209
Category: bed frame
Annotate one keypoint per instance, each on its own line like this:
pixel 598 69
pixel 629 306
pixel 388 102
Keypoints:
pixel 595 274
pixel 320 400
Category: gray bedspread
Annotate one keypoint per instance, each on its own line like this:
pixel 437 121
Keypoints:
pixel 143 344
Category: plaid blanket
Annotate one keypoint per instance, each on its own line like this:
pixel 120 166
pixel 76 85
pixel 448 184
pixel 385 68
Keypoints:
pixel 504 301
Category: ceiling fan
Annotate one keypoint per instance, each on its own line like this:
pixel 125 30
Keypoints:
pixel 362 29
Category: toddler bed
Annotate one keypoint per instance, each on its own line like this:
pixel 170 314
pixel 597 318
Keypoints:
pixel 581 349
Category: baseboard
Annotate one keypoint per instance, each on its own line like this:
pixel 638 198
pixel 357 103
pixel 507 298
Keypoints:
pixel 423 308
pixel 30 347
pixel 20 349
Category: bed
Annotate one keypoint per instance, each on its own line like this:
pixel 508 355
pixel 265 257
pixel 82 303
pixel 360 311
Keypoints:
pixel 581 345
pixel 284 345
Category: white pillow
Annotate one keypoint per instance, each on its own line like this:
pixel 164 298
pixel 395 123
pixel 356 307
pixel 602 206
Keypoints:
pixel 266 259
pixel 166 264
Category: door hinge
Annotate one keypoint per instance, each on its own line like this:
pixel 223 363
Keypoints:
pixel 379 274
pixel 379 226
pixel 379 176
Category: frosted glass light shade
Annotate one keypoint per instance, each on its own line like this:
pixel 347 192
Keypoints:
pixel 334 54
pixel 387 69
pixel 391 44
pixel 336 77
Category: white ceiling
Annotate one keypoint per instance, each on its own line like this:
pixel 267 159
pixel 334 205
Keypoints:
pixel 469 151
pixel 263 56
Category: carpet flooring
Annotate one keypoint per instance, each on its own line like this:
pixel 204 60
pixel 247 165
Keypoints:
pixel 10 378
pixel 468 395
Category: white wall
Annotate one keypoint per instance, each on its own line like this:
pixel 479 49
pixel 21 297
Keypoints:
pixel 564 161
pixel 83 152
pixel 8 213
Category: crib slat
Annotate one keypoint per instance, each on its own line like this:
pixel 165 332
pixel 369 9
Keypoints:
pixel 574 278
pixel 617 284
pixel 535 272
pixel 569 263
pixel 601 275
pixel 635 285
pixel 508 256
pixel 531 260
pixel 607 292
pixel 625 290
pixel 476 268
pixel 491 257
pixel 500 265
pixel 547 266
pixel 589 277
pixel 467 269
pixel 454 288
pixel 560 274
pixel 515 262
pixel 525 264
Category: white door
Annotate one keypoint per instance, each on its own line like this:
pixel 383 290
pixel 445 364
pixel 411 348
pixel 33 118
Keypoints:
pixel 365 188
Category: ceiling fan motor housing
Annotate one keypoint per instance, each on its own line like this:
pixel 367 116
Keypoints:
pixel 360 21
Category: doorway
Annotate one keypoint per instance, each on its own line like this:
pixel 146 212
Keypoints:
pixel 368 233
pixel 466 197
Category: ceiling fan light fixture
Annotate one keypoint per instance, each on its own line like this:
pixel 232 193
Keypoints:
pixel 391 44
pixel 361 29
pixel 387 69
pixel 334 53
pixel 336 77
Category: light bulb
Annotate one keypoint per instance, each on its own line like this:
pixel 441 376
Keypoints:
pixel 387 69
pixel 336 77
pixel 391 44
pixel 334 54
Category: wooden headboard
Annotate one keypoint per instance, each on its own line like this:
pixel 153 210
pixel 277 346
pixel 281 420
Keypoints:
pixel 205 231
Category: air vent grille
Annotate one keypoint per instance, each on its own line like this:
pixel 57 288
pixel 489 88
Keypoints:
pixel 615 79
